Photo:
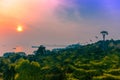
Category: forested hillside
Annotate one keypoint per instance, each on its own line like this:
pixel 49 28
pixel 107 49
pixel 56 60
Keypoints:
pixel 96 61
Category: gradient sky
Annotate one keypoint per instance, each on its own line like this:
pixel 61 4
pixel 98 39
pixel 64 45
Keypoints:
pixel 56 22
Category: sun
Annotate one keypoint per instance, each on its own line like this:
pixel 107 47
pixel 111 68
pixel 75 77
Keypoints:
pixel 19 28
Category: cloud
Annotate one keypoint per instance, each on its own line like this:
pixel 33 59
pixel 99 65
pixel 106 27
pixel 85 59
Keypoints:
pixel 85 9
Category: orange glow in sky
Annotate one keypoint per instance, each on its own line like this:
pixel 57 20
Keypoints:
pixel 18 49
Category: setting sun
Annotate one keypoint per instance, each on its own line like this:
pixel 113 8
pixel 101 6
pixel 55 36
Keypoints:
pixel 19 28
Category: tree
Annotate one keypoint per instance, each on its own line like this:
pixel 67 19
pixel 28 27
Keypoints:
pixel 9 73
pixel 27 70
pixel 104 33
pixel 41 50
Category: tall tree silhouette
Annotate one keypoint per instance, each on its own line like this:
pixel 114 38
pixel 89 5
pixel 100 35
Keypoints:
pixel 104 33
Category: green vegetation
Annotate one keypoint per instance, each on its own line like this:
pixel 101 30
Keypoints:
pixel 81 62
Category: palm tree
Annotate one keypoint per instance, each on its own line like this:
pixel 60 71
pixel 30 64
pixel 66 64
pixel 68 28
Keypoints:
pixel 104 33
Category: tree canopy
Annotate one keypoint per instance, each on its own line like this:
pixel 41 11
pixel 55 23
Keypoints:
pixel 83 62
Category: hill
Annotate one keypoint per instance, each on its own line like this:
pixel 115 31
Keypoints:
pixel 96 61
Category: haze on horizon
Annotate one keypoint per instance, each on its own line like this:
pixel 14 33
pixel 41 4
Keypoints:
pixel 56 22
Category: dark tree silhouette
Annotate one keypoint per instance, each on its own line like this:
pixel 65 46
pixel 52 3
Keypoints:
pixel 41 50
pixel 104 33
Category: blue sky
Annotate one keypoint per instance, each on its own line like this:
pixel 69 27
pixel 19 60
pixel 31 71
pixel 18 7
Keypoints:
pixel 96 14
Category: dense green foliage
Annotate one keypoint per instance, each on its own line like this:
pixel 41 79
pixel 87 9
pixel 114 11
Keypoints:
pixel 87 62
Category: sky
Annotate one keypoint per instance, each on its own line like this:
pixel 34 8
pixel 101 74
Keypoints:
pixel 59 22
